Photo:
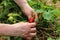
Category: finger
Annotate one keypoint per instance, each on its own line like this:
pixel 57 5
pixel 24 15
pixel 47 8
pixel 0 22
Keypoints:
pixel 36 18
pixel 32 25
pixel 30 16
pixel 33 30
pixel 32 34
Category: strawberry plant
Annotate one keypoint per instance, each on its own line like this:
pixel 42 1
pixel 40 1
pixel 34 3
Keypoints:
pixel 47 27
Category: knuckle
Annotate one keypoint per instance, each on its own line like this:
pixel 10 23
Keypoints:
pixel 32 34
pixel 28 24
pixel 33 29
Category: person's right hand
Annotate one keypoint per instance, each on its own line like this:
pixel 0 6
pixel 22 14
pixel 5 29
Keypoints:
pixel 24 29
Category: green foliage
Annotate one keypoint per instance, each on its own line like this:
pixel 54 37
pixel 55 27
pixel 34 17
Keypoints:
pixel 47 15
pixel 58 38
pixel 49 38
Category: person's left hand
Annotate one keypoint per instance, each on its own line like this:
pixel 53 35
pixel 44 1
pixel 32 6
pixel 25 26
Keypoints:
pixel 29 12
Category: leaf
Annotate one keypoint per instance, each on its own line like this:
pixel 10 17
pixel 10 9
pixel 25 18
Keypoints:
pixel 58 38
pixel 47 15
pixel 57 12
pixel 40 11
pixel 13 14
pixel 18 38
pixel 49 38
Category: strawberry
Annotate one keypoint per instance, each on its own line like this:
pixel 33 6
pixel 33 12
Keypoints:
pixel 31 19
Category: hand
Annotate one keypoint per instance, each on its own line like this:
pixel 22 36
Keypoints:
pixel 29 12
pixel 24 29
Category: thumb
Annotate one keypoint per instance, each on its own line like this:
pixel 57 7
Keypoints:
pixel 32 24
pixel 29 16
pixel 30 19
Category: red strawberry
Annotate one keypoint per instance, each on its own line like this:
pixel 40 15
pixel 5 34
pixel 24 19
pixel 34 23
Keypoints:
pixel 31 19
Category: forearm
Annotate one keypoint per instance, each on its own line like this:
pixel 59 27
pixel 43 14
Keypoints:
pixel 22 3
pixel 5 29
